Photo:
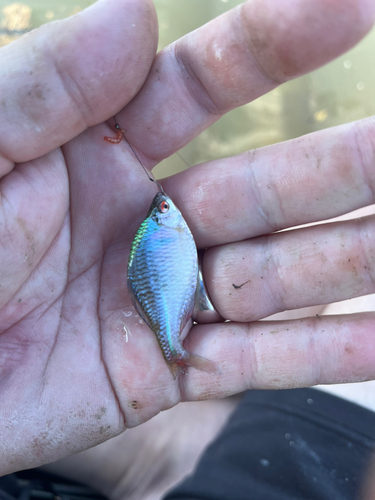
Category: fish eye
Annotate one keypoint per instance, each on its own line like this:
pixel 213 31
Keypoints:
pixel 164 207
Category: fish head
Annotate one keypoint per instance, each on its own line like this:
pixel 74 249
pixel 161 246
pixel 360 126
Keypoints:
pixel 164 212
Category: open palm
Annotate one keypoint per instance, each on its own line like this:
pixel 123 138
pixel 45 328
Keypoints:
pixel 77 365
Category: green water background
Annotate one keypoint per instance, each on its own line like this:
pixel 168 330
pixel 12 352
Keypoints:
pixel 340 92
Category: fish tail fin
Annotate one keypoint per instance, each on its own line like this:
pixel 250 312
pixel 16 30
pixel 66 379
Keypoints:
pixel 195 361
pixel 200 363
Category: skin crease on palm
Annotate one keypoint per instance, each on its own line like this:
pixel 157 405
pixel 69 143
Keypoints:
pixel 71 204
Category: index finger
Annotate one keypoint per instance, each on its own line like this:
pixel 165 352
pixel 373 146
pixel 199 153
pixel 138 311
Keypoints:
pixel 234 59
pixel 315 177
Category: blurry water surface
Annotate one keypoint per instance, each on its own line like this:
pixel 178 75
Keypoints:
pixel 340 92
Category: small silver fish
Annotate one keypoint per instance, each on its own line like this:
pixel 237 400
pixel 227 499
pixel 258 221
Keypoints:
pixel 162 281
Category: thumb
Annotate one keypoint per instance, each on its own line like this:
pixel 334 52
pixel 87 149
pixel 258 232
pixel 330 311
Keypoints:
pixel 68 75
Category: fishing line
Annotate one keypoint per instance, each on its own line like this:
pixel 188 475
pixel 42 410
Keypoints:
pixel 183 159
pixel 117 127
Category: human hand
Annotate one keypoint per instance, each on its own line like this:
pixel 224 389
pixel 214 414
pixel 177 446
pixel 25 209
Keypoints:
pixel 67 218
pixel 69 377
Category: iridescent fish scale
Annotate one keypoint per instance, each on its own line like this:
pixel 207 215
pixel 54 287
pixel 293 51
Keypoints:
pixel 162 280
pixel 163 271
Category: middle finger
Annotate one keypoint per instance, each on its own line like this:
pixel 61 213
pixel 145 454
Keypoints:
pixel 234 59
pixel 315 177
pixel 321 264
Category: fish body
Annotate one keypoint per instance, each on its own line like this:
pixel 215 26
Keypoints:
pixel 162 280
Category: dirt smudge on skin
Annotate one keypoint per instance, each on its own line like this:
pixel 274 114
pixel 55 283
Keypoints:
pixel 38 92
pixel 101 413
pixel 237 287
pixel 24 228
pixel 104 429
pixel 135 405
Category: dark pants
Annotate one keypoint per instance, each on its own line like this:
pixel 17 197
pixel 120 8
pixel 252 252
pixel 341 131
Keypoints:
pixel 298 444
